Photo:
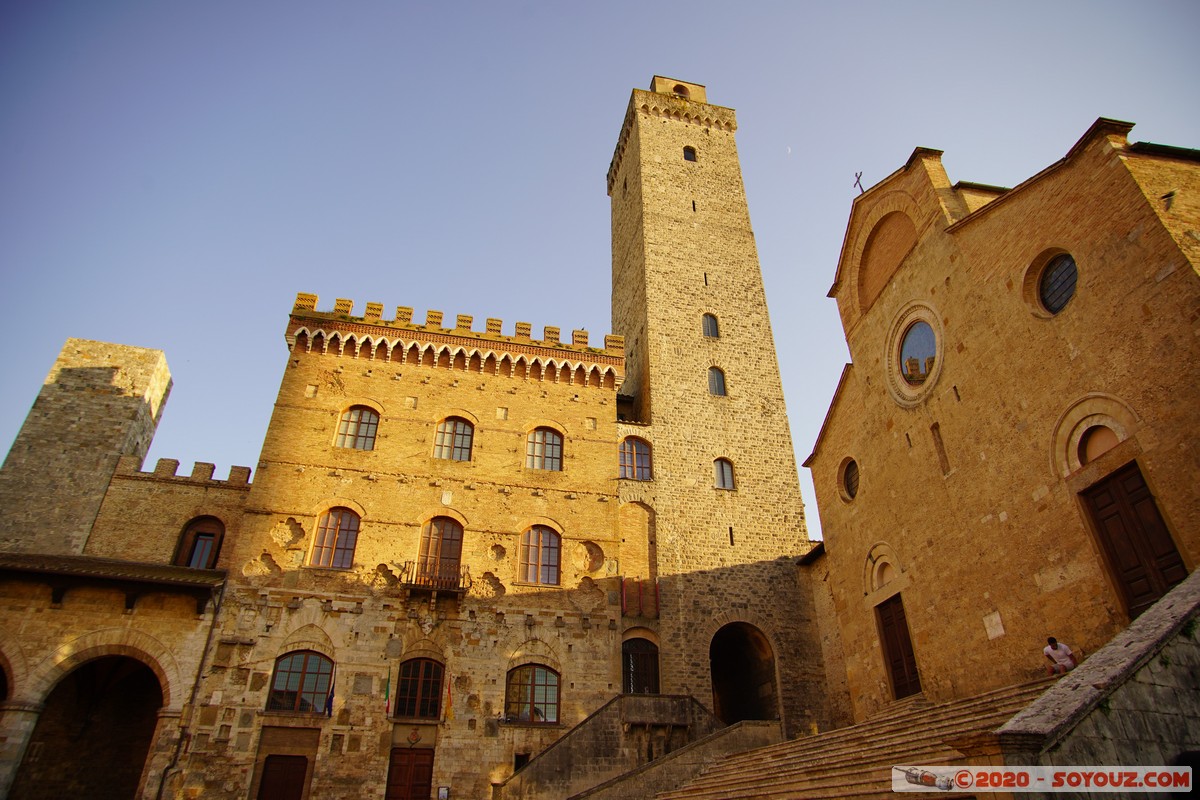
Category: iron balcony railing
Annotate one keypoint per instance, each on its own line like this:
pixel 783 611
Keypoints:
pixel 437 576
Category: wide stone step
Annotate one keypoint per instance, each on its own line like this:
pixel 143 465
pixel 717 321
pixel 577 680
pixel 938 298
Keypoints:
pixel 936 723
pixel 856 761
pixel 873 768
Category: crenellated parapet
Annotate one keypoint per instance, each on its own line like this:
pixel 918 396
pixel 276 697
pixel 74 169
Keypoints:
pixel 166 469
pixel 665 105
pixel 439 344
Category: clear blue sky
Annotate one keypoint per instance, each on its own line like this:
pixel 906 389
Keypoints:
pixel 171 174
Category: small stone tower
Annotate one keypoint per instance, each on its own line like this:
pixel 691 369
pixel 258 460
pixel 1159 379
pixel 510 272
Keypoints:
pixel 725 520
pixel 100 401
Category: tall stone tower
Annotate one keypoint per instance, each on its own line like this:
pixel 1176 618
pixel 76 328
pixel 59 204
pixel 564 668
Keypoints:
pixel 722 511
pixel 100 401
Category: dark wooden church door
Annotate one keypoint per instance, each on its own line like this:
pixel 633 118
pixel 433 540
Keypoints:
pixel 283 778
pixel 410 774
pixel 897 647
pixel 1134 537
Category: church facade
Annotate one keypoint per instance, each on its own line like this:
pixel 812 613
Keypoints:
pixel 1012 454
pixel 461 538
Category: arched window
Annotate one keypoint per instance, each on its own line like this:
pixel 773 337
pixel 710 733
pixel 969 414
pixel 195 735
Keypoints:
pixel 543 449
pixel 453 442
pixel 531 694
pixel 419 691
pixel 337 533
pixel 639 666
pixel 356 429
pixel 200 543
pixel 723 474
pixel 539 558
pixel 689 154
pixel 301 683
pixel 710 327
pixel 635 459
pixel 441 550
pixel 716 382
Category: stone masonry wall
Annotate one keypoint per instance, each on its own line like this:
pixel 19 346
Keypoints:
pixel 99 399
pixel 144 513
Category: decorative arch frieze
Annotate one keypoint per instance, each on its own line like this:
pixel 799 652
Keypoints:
pixel 490 361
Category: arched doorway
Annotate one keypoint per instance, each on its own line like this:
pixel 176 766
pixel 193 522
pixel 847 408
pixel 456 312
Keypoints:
pixel 743 674
pixel 100 719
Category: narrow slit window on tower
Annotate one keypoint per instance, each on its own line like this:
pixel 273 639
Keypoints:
pixel 723 474
pixel 716 382
pixel 943 461
pixel 693 206
pixel 731 536
pixel 689 153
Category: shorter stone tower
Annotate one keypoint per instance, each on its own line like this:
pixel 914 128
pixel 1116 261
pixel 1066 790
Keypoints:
pixel 100 401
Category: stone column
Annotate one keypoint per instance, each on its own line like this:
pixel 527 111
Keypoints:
pixel 161 757
pixel 17 721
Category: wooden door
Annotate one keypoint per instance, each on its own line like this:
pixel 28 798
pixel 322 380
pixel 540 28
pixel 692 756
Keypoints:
pixel 1139 548
pixel 410 774
pixel 283 778
pixel 897 647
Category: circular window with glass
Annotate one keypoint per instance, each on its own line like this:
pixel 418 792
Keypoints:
pixel 848 479
pixel 914 353
pixel 1050 282
pixel 918 353
pixel 1057 284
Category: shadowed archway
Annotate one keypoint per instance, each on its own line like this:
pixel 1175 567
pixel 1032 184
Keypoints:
pixel 743 674
pixel 93 736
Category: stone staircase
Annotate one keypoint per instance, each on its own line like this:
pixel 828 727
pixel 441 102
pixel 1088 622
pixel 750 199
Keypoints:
pixel 856 761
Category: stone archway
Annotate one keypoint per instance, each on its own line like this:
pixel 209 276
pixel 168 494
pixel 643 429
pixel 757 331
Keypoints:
pixel 100 718
pixel 743 674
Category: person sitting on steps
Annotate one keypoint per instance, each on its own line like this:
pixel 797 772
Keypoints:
pixel 1061 659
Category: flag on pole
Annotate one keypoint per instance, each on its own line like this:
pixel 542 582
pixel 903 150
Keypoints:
pixel 329 699
pixel 387 693
pixel 449 697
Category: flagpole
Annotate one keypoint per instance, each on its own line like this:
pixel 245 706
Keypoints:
pixel 387 692
pixel 329 699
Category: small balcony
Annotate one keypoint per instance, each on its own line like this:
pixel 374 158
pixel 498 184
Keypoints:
pixel 436 577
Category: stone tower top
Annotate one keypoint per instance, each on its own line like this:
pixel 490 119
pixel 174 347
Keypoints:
pixel 688 91
pixel 101 399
